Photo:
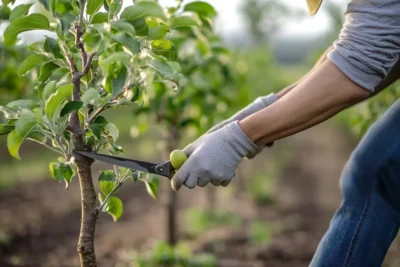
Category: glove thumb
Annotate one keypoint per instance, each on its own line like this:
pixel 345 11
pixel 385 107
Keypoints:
pixel 189 149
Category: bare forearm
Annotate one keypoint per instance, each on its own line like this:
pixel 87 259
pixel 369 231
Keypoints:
pixel 324 93
pixel 319 62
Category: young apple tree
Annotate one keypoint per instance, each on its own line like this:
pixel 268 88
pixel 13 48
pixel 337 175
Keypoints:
pixel 200 98
pixel 97 57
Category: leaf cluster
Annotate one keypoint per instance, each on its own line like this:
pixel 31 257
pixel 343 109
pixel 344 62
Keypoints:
pixel 98 56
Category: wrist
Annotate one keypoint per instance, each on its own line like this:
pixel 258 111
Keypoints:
pixel 252 132
pixel 236 137
pixel 267 100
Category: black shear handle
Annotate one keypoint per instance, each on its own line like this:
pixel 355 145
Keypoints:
pixel 165 169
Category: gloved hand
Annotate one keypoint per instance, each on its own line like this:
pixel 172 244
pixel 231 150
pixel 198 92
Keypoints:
pixel 257 105
pixel 214 157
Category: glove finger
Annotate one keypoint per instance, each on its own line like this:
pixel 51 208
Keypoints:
pixel 191 182
pixel 202 182
pixel 216 182
pixel 181 176
pixel 218 126
pixel 226 182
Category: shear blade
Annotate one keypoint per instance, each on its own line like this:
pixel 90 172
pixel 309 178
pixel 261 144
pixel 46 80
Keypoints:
pixel 122 162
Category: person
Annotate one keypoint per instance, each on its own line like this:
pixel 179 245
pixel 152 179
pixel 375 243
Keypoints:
pixel 362 62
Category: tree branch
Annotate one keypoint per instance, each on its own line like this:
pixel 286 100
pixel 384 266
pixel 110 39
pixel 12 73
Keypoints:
pixel 72 64
pixel 104 106
pixel 88 65
pixel 79 33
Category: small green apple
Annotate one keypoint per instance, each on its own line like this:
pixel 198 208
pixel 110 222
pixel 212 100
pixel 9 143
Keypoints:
pixel 177 158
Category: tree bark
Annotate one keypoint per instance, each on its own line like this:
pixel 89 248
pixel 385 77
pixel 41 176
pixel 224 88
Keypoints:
pixel 89 215
pixel 170 196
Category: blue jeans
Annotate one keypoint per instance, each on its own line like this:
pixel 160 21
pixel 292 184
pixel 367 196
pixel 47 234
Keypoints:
pixel 368 219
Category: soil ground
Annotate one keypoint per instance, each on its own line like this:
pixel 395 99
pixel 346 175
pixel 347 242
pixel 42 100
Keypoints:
pixel 41 220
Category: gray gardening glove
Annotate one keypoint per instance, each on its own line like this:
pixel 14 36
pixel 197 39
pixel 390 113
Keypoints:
pixel 257 105
pixel 214 157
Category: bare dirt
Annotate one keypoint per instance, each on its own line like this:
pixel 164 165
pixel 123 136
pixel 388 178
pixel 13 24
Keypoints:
pixel 41 219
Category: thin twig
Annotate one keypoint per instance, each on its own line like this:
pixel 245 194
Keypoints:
pixel 104 106
pixel 94 115
pixel 88 65
pixel 72 64
pixel 79 33
pixel 47 146
pixel 118 185
pixel 61 146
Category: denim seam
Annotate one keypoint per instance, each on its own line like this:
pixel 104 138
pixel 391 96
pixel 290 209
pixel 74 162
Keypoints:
pixel 356 234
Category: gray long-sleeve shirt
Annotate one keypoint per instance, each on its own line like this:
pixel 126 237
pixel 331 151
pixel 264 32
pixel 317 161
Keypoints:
pixel 369 43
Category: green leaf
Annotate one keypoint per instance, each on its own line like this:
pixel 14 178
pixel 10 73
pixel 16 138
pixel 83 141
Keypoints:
pixel 49 89
pixel 4 12
pixel 140 26
pixel 37 136
pixel 26 103
pixel 143 9
pixel 25 124
pixel 112 130
pixel 127 41
pixel 106 181
pixel 62 94
pixel 27 23
pixel 93 6
pixel 61 171
pixel 164 48
pixel 201 8
pixel 100 17
pixel 100 120
pixel 93 40
pixel 46 70
pixel 37 47
pixel 114 6
pixel 51 46
pixel 115 208
pixel 29 63
pixel 152 187
pixel 175 66
pixel 107 176
pixel 46 4
pixel 71 107
pixel 161 67
pixel 157 32
pixel 90 95
pixel 5 129
pixel 135 176
pixel 106 63
pixel 119 81
pixel 19 11
pixel 183 21
pixel 96 129
pixel 117 148
pixel 122 26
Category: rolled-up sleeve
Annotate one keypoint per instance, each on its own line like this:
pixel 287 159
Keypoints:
pixel 369 43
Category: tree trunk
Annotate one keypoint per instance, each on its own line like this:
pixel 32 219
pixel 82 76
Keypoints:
pixel 89 214
pixel 88 194
pixel 170 196
pixel 171 217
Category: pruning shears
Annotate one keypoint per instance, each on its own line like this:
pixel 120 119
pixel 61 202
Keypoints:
pixel 164 169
